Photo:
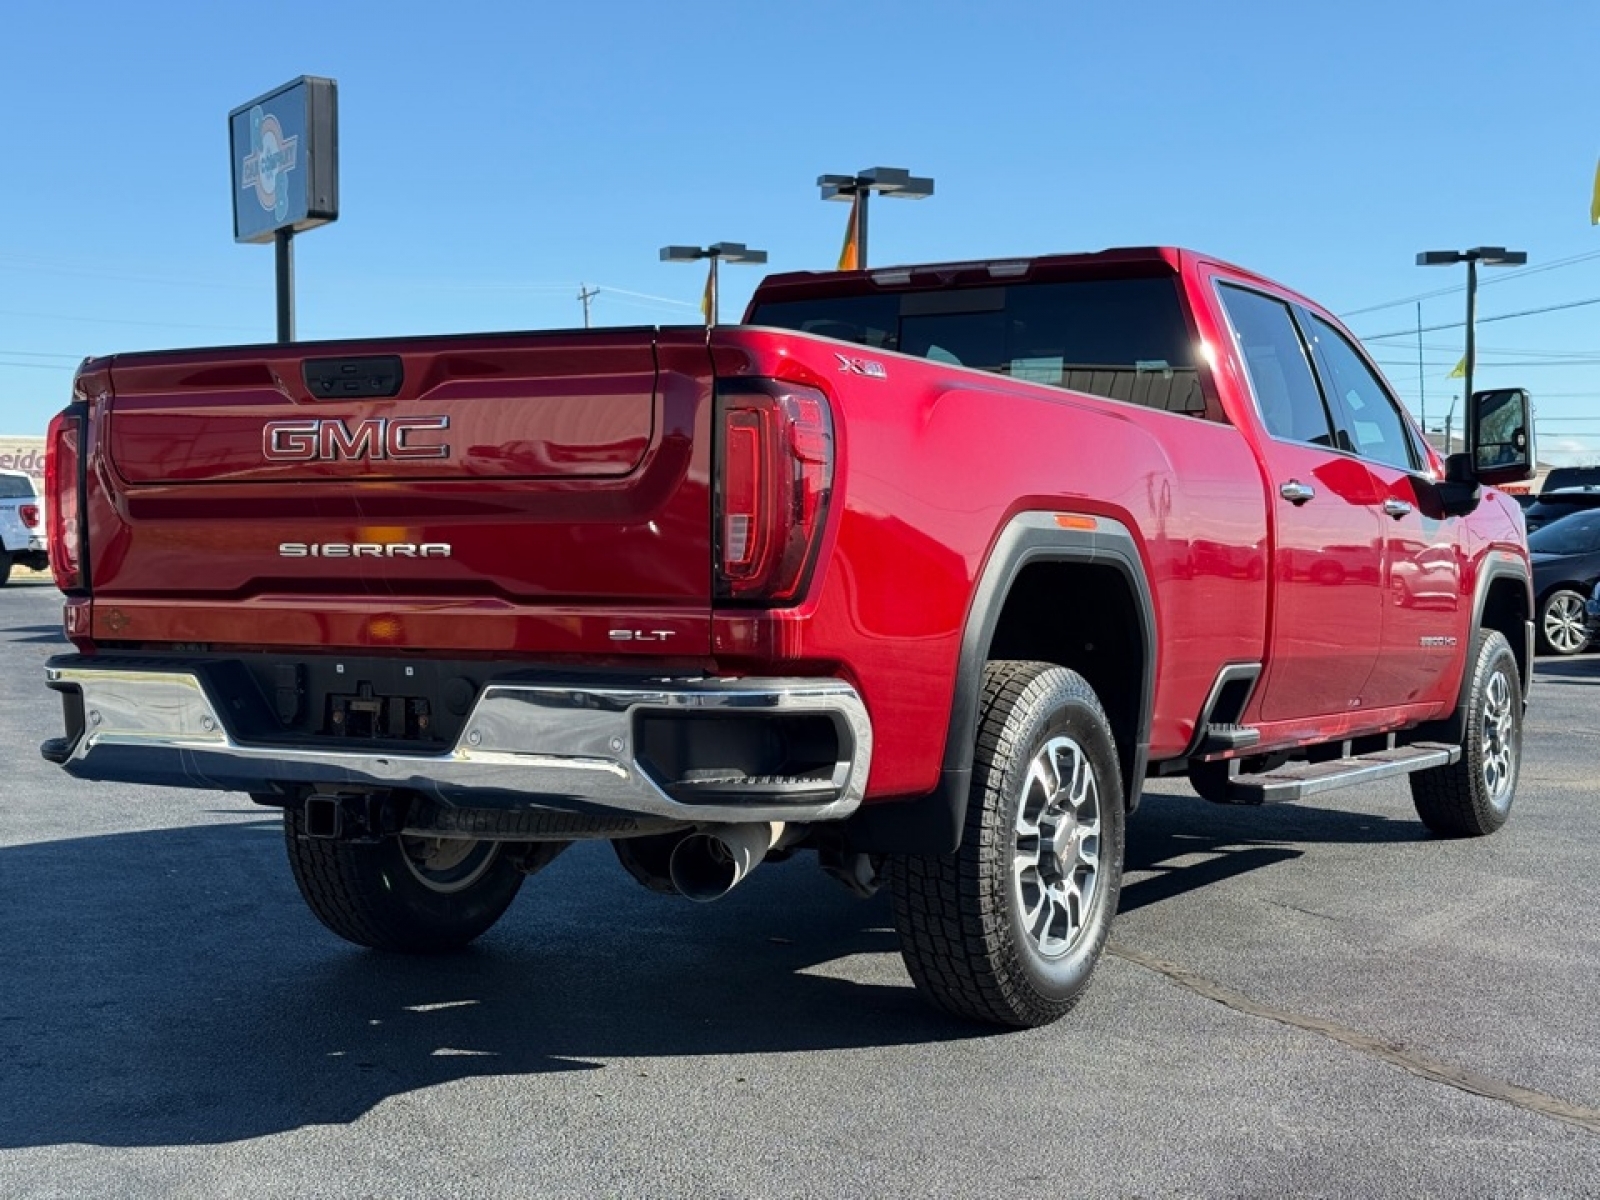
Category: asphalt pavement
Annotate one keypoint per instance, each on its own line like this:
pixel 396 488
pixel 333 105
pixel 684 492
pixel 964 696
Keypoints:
pixel 1311 1000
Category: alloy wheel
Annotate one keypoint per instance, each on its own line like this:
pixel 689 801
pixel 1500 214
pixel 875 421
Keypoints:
pixel 1565 626
pixel 1056 863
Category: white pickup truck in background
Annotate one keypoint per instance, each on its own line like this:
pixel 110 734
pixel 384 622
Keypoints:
pixel 21 528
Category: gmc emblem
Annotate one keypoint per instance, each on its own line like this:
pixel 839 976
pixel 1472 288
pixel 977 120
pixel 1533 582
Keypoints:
pixel 330 440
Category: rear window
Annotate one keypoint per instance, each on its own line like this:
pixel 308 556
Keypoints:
pixel 1567 477
pixel 1124 339
pixel 1549 508
pixel 16 487
pixel 1578 533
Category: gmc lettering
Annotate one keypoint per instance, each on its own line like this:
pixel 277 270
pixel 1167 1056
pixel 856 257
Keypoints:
pixel 331 440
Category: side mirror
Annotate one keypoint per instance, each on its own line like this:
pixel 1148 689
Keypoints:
pixel 1500 431
pixel 1458 492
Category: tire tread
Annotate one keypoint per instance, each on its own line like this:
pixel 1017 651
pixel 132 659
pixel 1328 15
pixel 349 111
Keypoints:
pixel 344 885
pixel 1449 799
pixel 953 929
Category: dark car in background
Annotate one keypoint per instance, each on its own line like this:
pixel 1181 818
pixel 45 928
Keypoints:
pixel 1561 478
pixel 1566 566
pixel 1552 505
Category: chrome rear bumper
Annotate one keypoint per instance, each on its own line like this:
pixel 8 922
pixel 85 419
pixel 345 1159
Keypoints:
pixel 561 745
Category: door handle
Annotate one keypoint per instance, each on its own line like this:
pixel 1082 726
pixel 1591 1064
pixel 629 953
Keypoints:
pixel 1296 492
pixel 1396 507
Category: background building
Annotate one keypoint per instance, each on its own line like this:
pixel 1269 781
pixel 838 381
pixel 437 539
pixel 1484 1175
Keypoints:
pixel 25 454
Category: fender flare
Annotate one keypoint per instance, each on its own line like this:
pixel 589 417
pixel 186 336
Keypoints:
pixel 933 823
pixel 1497 565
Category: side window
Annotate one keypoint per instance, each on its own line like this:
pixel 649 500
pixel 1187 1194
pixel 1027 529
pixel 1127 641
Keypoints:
pixel 1377 430
pixel 1280 371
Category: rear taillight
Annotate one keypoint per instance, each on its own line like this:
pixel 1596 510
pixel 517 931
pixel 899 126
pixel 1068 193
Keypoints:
pixel 774 475
pixel 30 515
pixel 63 484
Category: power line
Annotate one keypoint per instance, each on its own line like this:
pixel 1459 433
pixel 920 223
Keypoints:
pixel 123 321
pixel 1498 277
pixel 1527 312
pixel 1445 362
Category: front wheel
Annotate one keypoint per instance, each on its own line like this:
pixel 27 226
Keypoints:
pixel 409 894
pixel 1472 796
pixel 1563 625
pixel 1009 927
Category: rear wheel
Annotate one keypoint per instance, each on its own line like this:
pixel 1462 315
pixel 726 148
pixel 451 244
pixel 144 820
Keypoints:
pixel 5 567
pixel 1008 929
pixel 1472 796
pixel 414 895
pixel 1563 625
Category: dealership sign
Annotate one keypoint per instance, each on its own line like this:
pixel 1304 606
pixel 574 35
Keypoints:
pixel 24 454
pixel 285 151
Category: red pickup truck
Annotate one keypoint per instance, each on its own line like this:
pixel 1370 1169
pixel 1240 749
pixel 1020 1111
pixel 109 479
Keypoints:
pixel 923 569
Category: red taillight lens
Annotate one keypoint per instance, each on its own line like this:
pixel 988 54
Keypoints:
pixel 62 473
pixel 30 515
pixel 775 472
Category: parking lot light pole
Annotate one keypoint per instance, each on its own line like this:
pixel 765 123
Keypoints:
pixel 734 252
pixel 1489 256
pixel 893 182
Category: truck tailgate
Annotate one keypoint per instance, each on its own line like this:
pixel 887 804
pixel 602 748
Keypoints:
pixel 543 493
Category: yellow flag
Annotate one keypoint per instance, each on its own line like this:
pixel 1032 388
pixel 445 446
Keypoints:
pixel 1461 369
pixel 1594 204
pixel 850 255
pixel 705 300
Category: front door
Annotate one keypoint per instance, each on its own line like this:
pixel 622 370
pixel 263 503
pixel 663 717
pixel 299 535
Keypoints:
pixel 1422 571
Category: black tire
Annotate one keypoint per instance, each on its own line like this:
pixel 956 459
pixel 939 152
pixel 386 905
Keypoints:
pixel 1472 797
pixel 1016 945
pixel 388 894
pixel 1563 626
pixel 5 567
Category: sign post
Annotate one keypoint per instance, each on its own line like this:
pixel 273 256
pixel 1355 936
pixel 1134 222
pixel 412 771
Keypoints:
pixel 285 151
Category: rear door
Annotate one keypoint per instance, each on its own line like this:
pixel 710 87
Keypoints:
pixel 536 493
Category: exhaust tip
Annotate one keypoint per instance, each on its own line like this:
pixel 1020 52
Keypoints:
pixel 703 868
pixel 707 866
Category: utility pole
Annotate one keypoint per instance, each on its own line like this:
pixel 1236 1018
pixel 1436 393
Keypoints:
pixel 586 294
pixel 1422 386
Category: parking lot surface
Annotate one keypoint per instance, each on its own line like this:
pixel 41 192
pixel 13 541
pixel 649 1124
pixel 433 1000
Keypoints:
pixel 1311 1000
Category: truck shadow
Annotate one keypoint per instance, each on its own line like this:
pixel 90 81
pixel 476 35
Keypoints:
pixel 169 987
pixel 1190 844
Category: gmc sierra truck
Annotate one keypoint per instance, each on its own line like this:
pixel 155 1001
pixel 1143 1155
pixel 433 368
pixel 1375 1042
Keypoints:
pixel 920 569
pixel 21 539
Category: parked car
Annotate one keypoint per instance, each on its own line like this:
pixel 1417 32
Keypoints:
pixel 1561 478
pixel 1566 567
pixel 1551 506
pixel 21 531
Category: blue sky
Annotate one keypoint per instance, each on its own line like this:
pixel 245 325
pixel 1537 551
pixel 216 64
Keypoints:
pixel 495 156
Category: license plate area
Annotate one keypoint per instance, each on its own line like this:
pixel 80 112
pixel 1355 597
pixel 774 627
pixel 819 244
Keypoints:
pixel 366 714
